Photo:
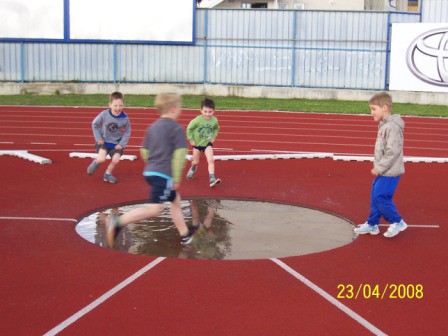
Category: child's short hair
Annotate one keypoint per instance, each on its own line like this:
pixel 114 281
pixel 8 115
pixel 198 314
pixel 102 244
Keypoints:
pixel 207 102
pixel 381 99
pixel 164 101
pixel 115 95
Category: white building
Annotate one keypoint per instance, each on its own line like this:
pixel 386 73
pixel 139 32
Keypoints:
pixel 401 5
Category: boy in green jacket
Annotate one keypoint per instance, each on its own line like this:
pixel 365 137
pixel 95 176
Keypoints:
pixel 202 132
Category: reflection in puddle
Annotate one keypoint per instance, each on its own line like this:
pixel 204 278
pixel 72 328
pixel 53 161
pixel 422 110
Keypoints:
pixel 230 229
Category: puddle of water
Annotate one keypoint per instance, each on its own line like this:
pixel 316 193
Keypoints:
pixel 230 229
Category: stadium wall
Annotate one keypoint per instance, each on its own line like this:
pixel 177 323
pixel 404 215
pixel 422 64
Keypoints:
pixel 236 52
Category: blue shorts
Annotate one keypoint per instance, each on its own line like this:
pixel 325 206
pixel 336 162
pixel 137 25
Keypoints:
pixel 110 151
pixel 203 148
pixel 160 190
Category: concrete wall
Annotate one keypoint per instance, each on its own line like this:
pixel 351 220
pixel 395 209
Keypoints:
pixel 217 90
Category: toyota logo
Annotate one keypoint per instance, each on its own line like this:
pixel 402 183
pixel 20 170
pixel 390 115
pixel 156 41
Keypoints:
pixel 427 57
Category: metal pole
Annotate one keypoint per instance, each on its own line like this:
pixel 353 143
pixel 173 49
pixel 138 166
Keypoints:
pixel 205 45
pixel 388 47
pixel 293 48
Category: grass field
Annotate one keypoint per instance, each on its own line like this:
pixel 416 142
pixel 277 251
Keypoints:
pixel 228 103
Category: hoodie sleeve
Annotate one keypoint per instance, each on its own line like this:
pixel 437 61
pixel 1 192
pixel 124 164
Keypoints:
pixel 126 135
pixel 391 148
pixel 215 130
pixel 190 129
pixel 97 123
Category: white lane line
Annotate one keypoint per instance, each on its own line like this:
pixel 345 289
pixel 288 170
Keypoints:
pixel 422 226
pixel 6 142
pixel 102 298
pixel 366 324
pixel 41 219
pixel 43 143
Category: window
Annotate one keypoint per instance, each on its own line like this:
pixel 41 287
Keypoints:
pixel 259 5
pixel 254 5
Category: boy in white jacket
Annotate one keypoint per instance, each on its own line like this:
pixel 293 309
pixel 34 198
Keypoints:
pixel 387 169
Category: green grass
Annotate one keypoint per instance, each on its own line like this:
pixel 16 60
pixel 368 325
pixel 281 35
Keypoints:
pixel 228 103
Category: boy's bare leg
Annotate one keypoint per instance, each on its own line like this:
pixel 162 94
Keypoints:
pixel 102 154
pixel 194 163
pixel 115 223
pixel 210 160
pixel 178 217
pixel 196 157
pixel 136 215
pixel 115 160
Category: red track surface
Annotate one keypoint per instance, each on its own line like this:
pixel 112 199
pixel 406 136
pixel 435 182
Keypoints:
pixel 49 273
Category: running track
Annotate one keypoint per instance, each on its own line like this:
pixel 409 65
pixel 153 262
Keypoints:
pixel 49 274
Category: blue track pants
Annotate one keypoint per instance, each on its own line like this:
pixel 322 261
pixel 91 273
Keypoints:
pixel 381 204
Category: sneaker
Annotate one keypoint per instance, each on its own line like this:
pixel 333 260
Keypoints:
pixel 110 178
pixel 193 229
pixel 214 181
pixel 367 228
pixel 184 240
pixel 92 167
pixel 112 230
pixel 191 172
pixel 395 228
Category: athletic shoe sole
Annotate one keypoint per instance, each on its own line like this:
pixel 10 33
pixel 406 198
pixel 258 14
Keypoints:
pixel 373 233
pixel 215 182
pixel 190 175
pixel 91 168
pixel 186 240
pixel 110 181
pixel 404 227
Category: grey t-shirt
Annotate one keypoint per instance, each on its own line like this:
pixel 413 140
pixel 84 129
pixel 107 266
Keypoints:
pixel 162 138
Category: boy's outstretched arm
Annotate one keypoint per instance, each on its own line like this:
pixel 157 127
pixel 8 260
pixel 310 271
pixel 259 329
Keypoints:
pixel 96 127
pixel 215 131
pixel 144 154
pixel 126 135
pixel 190 130
pixel 178 164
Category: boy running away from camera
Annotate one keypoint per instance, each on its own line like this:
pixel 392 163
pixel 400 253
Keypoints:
pixel 164 149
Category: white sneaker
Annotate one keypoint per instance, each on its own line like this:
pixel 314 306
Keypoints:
pixel 191 172
pixel 367 228
pixel 395 228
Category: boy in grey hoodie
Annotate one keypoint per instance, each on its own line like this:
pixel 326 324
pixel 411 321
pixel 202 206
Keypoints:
pixel 387 168
pixel 112 130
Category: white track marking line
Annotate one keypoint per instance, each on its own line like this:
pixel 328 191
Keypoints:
pixel 366 324
pixel 6 142
pixel 421 226
pixel 41 219
pixel 103 298
pixel 43 143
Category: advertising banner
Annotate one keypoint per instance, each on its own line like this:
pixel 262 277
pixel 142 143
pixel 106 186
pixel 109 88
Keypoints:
pixel 419 57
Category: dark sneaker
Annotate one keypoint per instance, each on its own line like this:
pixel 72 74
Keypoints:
pixel 192 229
pixel 112 230
pixel 214 181
pixel 92 167
pixel 110 178
pixel 184 240
pixel 191 172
